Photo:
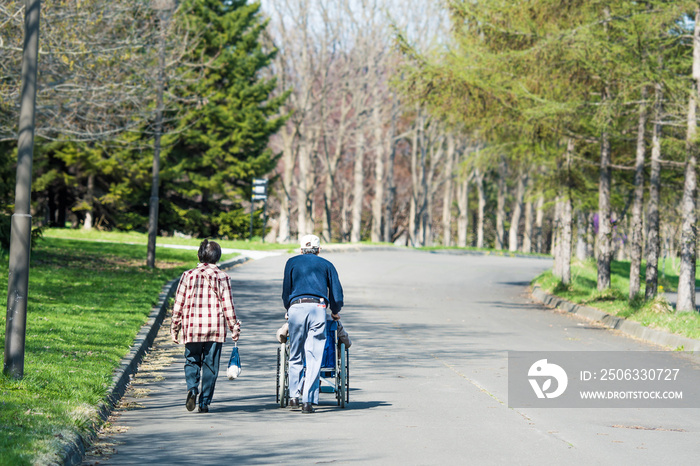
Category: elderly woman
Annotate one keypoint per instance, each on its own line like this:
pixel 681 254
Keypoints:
pixel 203 309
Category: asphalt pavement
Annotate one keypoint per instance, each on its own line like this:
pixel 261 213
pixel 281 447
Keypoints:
pixel 428 376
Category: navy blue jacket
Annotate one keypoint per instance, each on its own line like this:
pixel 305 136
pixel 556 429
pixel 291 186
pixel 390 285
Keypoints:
pixel 311 276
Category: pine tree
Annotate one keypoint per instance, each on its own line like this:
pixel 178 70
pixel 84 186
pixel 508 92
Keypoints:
pixel 220 144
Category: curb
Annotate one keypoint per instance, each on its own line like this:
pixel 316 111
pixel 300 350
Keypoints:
pixel 628 327
pixel 72 452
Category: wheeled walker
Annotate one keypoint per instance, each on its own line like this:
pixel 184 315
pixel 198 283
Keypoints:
pixel 335 368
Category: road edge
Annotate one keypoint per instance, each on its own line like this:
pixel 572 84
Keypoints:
pixel 72 451
pixel 628 327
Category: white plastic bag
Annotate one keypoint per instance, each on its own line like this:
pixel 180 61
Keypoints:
pixel 234 364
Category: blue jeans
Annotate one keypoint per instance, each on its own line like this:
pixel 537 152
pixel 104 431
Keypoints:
pixel 204 358
pixel 307 338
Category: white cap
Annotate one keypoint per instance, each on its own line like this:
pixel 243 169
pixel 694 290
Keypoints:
pixel 309 242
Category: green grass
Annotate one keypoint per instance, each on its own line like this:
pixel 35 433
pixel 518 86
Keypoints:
pixel 87 301
pixel 655 314
pixel 142 238
pixel 488 251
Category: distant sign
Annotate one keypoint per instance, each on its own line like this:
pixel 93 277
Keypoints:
pixel 259 189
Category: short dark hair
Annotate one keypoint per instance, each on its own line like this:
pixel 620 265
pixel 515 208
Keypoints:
pixel 209 252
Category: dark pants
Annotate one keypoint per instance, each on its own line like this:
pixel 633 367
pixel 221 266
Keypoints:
pixel 204 358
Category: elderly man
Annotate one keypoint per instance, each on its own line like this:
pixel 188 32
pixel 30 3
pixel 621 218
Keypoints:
pixel 310 284
pixel 203 309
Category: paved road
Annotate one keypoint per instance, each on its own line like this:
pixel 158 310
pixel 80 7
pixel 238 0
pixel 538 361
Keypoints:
pixel 429 379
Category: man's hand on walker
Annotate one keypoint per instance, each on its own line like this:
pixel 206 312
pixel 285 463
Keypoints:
pixel 335 316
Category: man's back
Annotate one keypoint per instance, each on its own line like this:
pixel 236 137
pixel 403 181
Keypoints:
pixel 311 276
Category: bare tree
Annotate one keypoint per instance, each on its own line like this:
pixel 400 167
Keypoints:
pixel 358 178
pixel 97 78
pixel 337 57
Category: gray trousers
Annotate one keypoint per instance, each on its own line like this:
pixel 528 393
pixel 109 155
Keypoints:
pixel 307 338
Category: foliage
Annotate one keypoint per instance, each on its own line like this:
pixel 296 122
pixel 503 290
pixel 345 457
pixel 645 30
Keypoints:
pixel 655 313
pixel 219 146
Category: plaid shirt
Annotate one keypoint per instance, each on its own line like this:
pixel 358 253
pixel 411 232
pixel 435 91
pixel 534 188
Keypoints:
pixel 203 305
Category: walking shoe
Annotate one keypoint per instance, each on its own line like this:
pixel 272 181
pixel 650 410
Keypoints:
pixel 204 409
pixel 294 402
pixel 307 408
pixel 191 400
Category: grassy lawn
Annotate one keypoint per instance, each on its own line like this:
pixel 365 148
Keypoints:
pixel 487 251
pixel 655 314
pixel 142 238
pixel 87 301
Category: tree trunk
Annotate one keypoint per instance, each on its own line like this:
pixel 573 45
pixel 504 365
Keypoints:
pixel 566 220
pixel 358 180
pixel 423 214
pixel 164 17
pixel 527 235
pixel 557 237
pixel 686 279
pixel 653 245
pixel 539 223
pixel 501 203
pixel 329 188
pixel 62 206
pixel 378 201
pixel 565 250
pixel 390 188
pixel 284 232
pixel 479 178
pixel 463 207
pixel 344 214
pixel 447 193
pixel 604 211
pixel 581 236
pixel 636 244
pixel 427 222
pixel 89 200
pixel 517 211
pixel 415 187
pixel 328 208
pixel 303 191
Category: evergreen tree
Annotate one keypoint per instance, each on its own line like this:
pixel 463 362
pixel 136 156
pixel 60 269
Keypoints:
pixel 220 144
